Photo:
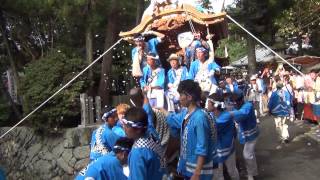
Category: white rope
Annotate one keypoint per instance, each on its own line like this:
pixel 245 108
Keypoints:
pixel 52 96
pixel 264 45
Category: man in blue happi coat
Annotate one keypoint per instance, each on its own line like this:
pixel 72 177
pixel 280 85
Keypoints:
pixel 103 138
pixel 226 133
pixel 204 70
pixel 139 99
pixel 139 53
pixel 279 106
pixel 175 75
pixel 231 85
pixel 146 156
pixel 190 51
pixel 196 134
pixel 153 81
pixel 110 166
pixel 248 131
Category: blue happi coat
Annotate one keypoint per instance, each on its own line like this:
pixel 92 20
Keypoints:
pixel 151 127
pixel 147 75
pixel 151 46
pixel 102 141
pixel 197 139
pixel 2 175
pixel 172 77
pixel 107 167
pixel 247 121
pixel 118 129
pixel 190 51
pixel 280 103
pixel 194 69
pixel 146 159
pixel 226 134
pixel 261 85
pixel 235 87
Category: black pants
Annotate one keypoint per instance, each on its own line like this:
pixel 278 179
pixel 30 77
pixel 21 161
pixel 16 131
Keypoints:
pixel 299 110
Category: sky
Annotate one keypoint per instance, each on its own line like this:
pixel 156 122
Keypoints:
pixel 228 2
pixel 217 4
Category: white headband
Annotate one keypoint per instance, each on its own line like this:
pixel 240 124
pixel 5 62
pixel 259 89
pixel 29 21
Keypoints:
pixel 153 57
pixel 217 103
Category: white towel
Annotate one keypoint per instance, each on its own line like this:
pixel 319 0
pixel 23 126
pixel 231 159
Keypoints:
pixel 136 69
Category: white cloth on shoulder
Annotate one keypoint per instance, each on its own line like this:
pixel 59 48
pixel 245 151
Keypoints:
pixel 136 68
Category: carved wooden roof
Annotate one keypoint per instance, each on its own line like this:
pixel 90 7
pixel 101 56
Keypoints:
pixel 170 19
pixel 172 22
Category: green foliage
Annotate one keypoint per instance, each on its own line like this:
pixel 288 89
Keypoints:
pixel 298 18
pixel 236 48
pixel 43 78
pixel 301 19
pixel 4 109
pixel 258 16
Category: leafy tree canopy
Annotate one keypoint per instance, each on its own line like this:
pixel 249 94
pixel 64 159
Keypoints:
pixel 46 76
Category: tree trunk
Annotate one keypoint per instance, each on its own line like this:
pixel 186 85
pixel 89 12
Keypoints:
pixel 89 49
pixel 10 100
pixel 252 64
pixel 89 40
pixel 140 9
pixel 5 35
pixel 299 33
pixel 110 39
pixel 299 39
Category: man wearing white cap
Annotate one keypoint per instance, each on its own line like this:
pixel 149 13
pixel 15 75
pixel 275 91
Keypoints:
pixel 204 70
pixel 153 81
pixel 176 74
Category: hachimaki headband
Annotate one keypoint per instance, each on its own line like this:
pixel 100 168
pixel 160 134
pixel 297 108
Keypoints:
pixel 108 114
pixel 120 148
pixel 139 37
pixel 152 55
pixel 201 49
pixel 216 103
pixel 133 124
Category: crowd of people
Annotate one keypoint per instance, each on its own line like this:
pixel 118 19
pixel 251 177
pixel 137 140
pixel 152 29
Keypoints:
pixel 191 107
pixel 130 148
pixel 203 115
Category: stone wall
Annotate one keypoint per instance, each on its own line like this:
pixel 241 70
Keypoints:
pixel 26 155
